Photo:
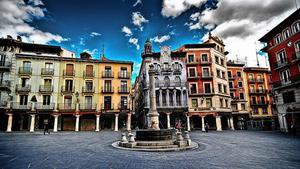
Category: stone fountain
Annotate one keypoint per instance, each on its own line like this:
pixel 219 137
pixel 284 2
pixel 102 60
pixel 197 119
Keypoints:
pixel 153 138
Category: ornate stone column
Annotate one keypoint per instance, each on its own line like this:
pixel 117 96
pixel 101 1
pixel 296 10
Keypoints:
pixel 77 122
pixel 128 124
pixel 218 123
pixel 32 122
pixel 97 122
pixel 228 122
pixel 55 125
pixel 188 122
pixel 203 123
pixel 181 97
pixel 168 121
pixel 168 98
pixel 174 98
pixel 160 98
pixel 9 122
pixel 116 122
pixel 153 115
pixel 231 123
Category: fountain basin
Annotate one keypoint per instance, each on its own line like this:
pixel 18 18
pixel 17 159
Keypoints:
pixel 154 135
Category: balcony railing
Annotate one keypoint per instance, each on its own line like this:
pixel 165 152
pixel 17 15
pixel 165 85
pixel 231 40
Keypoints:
pixel 88 74
pixel 43 106
pixel 67 89
pixel 231 77
pixel 86 89
pixel 107 106
pixel 68 73
pixel 205 62
pixel 107 89
pixel 123 90
pixel 124 75
pixel 5 85
pixel 206 75
pixel 5 65
pixel 20 88
pixel 260 80
pixel 260 103
pixel 252 80
pixel 66 106
pixel 46 88
pixel 25 70
pixel 292 80
pixel 87 106
pixel 20 106
pixel 296 56
pixel 279 65
pixel 107 74
pixel 172 83
pixel 123 106
pixel 47 71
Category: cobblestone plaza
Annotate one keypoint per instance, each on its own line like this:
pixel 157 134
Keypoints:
pixel 228 149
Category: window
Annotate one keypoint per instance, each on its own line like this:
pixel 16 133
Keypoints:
pixel 205 72
pixel 252 88
pixel 242 96
pixel 277 39
pixel 25 82
pixel 223 74
pixel 220 88
pixel 240 84
pixel 69 85
pixel 194 103
pixel 156 82
pixel 265 110
pixel 288 97
pixel 251 78
pixel 207 88
pixel 222 61
pixel 218 73
pixel 221 103
pixel 226 103
pixel 225 88
pixel 107 102
pixel 68 102
pixel 204 58
pixel 231 95
pixel 89 85
pixel 260 88
pixel 286 33
pixel 167 81
pixel 243 106
pixel 239 74
pixel 177 81
pixel 48 84
pixel 296 27
pixel 229 74
pixel 46 99
pixel 89 71
pixel 253 100
pixel 107 85
pixel 69 69
pixel 89 101
pixel 107 71
pixel 49 67
pixel 23 99
pixel 190 58
pixel 124 102
pixel 259 77
pixel 192 72
pixel 281 57
pixel 217 59
pixel 208 102
pixel 262 100
pixel 230 84
pixel 193 88
pixel 27 64
pixel 285 76
pixel 297 47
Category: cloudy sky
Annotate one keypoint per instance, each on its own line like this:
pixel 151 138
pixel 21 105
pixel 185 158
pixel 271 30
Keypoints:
pixel 122 26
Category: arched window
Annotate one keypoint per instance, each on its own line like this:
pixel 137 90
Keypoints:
pixel 167 81
pixel 296 27
pixel 156 82
pixel 177 81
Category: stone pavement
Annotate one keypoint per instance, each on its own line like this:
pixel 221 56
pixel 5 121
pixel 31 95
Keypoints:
pixel 227 149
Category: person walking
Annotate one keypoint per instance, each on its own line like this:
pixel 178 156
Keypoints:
pixel 206 127
pixel 178 125
pixel 46 126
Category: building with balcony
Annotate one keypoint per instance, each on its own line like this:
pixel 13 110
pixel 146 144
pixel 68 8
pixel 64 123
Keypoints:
pixel 283 48
pixel 170 87
pixel 49 82
pixel 209 99
pixel 260 100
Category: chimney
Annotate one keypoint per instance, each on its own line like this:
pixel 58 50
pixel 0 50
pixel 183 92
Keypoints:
pixel 19 38
pixel 9 37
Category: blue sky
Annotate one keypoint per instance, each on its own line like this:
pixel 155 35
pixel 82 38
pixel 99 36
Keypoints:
pixel 122 26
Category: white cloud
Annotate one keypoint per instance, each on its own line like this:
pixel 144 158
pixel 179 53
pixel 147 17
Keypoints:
pixel 174 8
pixel 241 23
pixel 160 39
pixel 137 2
pixel 138 19
pixel 15 18
pixel 134 41
pixel 94 34
pixel 91 52
pixel 127 31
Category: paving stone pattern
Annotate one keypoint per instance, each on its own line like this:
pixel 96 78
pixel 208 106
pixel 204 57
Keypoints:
pixel 227 149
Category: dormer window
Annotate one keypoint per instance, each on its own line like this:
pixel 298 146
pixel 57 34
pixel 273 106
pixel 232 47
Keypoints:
pixel 277 39
pixel 286 33
pixel 296 27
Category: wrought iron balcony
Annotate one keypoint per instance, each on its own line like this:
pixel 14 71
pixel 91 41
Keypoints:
pixel 205 62
pixel 280 65
pixel 260 80
pixel 123 90
pixel 67 89
pixel 21 88
pixel 44 107
pixel 46 88
pixel 107 89
pixel 25 70
pixel 20 106
pixel 107 74
pixel 293 80
pixel 5 66
pixel 193 62
pixel 5 85
pixel 88 74
pixel 68 73
pixel 252 80
pixel 107 106
pixel 66 106
pixel 296 56
pixel 207 75
pixel 88 89
pixel 47 71
pixel 87 106
pixel 124 75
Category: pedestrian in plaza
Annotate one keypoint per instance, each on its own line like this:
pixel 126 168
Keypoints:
pixel 178 125
pixel 293 129
pixel 46 126
pixel 206 127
